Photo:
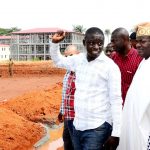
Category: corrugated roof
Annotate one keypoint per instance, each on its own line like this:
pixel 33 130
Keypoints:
pixel 5 37
pixel 4 45
pixel 40 30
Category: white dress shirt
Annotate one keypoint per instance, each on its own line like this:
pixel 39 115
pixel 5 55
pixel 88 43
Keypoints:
pixel 98 90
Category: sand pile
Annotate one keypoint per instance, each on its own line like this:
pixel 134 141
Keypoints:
pixel 20 117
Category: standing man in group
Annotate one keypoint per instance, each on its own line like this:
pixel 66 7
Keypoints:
pixel 136 113
pixel 109 50
pixel 10 67
pixel 98 99
pixel 126 57
pixel 133 39
pixel 67 105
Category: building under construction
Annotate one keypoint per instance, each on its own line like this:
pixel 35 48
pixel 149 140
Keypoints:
pixel 5 40
pixel 34 44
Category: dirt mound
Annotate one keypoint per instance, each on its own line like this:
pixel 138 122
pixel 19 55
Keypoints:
pixel 30 68
pixel 17 132
pixel 37 105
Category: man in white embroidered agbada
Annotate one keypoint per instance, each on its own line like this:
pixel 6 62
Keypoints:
pixel 135 129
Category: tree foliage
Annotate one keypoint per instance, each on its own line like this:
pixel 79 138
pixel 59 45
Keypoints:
pixel 4 31
pixel 79 28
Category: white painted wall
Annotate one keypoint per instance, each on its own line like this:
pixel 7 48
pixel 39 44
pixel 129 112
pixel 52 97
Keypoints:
pixel 4 52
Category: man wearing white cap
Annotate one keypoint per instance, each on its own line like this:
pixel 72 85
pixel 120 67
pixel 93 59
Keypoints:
pixel 136 113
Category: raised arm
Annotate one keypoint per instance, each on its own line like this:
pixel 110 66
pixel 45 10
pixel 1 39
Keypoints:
pixel 69 63
pixel 58 37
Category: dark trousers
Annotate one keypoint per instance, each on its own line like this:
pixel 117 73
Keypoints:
pixel 93 139
pixel 67 135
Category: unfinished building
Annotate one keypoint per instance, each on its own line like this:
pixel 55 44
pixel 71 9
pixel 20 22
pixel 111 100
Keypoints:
pixel 34 44
pixel 5 39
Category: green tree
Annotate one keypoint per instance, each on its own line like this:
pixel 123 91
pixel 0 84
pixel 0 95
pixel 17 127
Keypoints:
pixel 79 28
pixel 107 33
pixel 4 31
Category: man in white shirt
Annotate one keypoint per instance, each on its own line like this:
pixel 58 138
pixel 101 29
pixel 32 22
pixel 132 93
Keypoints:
pixel 135 129
pixel 98 102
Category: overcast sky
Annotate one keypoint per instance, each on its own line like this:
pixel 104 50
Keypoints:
pixel 105 14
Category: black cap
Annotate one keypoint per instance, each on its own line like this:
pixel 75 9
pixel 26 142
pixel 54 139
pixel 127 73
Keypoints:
pixel 133 36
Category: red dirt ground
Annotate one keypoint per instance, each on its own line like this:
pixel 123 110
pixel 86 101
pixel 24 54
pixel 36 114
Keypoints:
pixel 31 96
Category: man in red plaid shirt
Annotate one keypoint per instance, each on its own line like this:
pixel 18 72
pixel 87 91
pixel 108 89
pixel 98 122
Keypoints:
pixel 67 105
